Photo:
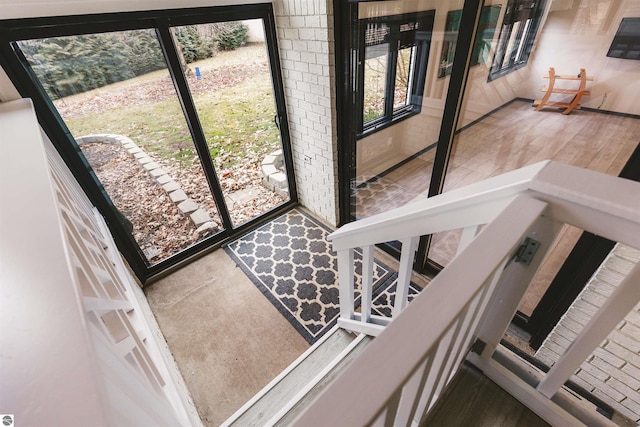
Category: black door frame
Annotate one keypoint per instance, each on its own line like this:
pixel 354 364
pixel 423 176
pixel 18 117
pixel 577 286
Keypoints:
pixel 28 86
pixel 346 24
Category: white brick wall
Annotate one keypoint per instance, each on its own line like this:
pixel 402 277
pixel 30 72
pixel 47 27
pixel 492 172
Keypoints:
pixel 305 38
pixel 612 372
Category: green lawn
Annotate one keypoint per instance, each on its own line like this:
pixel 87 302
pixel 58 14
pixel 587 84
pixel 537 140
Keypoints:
pixel 237 120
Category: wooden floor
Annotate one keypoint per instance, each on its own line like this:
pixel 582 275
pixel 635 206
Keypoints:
pixel 471 399
pixel 510 138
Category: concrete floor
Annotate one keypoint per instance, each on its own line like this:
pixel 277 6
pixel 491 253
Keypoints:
pixel 226 337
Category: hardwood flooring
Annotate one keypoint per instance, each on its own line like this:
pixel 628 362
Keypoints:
pixel 510 138
pixel 471 399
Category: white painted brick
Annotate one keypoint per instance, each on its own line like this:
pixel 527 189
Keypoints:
pixel 285 44
pixel 625 341
pixel 582 383
pixel 309 58
pixel 314 46
pixel 322 59
pixel 631 331
pixel 595 372
pixel 287 64
pixel 609 276
pixel 559 339
pixel 601 386
pixel 634 316
pixel 293 55
pixel 297 21
pixel 627 253
pixel 315 69
pixel 621 387
pixel 609 357
pixel 312 21
pixel 299 45
pixel 291 33
pixel 307 34
pixel 301 66
pixel 310 96
pixel 321 35
pixel 584 310
pixel 622 352
pixel 632 370
pixel 282 21
pixel 296 75
pixel 634 408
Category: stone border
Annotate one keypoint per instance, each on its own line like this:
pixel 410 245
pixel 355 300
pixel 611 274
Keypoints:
pixel 200 218
pixel 272 177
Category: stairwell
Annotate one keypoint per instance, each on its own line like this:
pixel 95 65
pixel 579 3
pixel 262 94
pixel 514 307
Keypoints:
pixel 284 398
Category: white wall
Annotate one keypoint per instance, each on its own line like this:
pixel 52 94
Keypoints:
pixel 579 36
pixel 305 37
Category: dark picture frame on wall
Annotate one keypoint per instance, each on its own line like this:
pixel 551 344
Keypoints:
pixel 626 42
pixel 482 43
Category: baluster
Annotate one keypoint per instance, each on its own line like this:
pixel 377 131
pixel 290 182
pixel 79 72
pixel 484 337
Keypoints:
pixel 468 234
pixel 345 279
pixel 405 268
pixel 366 284
pixel 412 393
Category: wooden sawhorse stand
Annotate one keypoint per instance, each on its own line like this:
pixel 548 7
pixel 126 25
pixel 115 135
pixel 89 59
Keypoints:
pixel 551 89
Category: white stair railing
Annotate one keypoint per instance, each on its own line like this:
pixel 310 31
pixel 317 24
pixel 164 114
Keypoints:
pixel 472 301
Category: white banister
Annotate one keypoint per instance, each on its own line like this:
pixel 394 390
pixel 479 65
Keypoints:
pixel 468 234
pixel 366 290
pixel 408 345
pixel 345 272
pixel 473 300
pixel 405 267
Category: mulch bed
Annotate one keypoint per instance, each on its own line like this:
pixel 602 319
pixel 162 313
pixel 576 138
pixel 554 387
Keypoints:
pixel 160 229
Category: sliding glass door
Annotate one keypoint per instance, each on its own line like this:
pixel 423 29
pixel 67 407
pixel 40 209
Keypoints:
pixel 173 123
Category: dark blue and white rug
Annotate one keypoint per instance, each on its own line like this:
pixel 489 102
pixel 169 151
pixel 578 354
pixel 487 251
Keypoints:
pixel 290 260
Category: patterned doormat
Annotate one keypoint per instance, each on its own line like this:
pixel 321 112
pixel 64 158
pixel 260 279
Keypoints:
pixel 290 260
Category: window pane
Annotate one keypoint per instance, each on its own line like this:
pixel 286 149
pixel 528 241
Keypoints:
pixel 394 154
pixel 404 76
pixel 113 90
pixel 375 78
pixel 230 81
pixel 511 44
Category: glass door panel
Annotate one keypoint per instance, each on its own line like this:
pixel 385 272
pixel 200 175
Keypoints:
pixel 398 102
pixel 500 130
pixel 228 71
pixel 116 97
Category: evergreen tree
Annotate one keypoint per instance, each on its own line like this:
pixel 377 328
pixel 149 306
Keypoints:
pixel 229 35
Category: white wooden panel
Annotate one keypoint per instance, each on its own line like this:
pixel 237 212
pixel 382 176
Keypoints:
pixel 47 341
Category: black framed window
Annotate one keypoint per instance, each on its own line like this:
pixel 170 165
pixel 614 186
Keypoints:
pixel 391 75
pixel 626 43
pixel 519 27
pixel 146 118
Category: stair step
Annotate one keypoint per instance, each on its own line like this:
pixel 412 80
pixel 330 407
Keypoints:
pixel 307 375
pixel 317 388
